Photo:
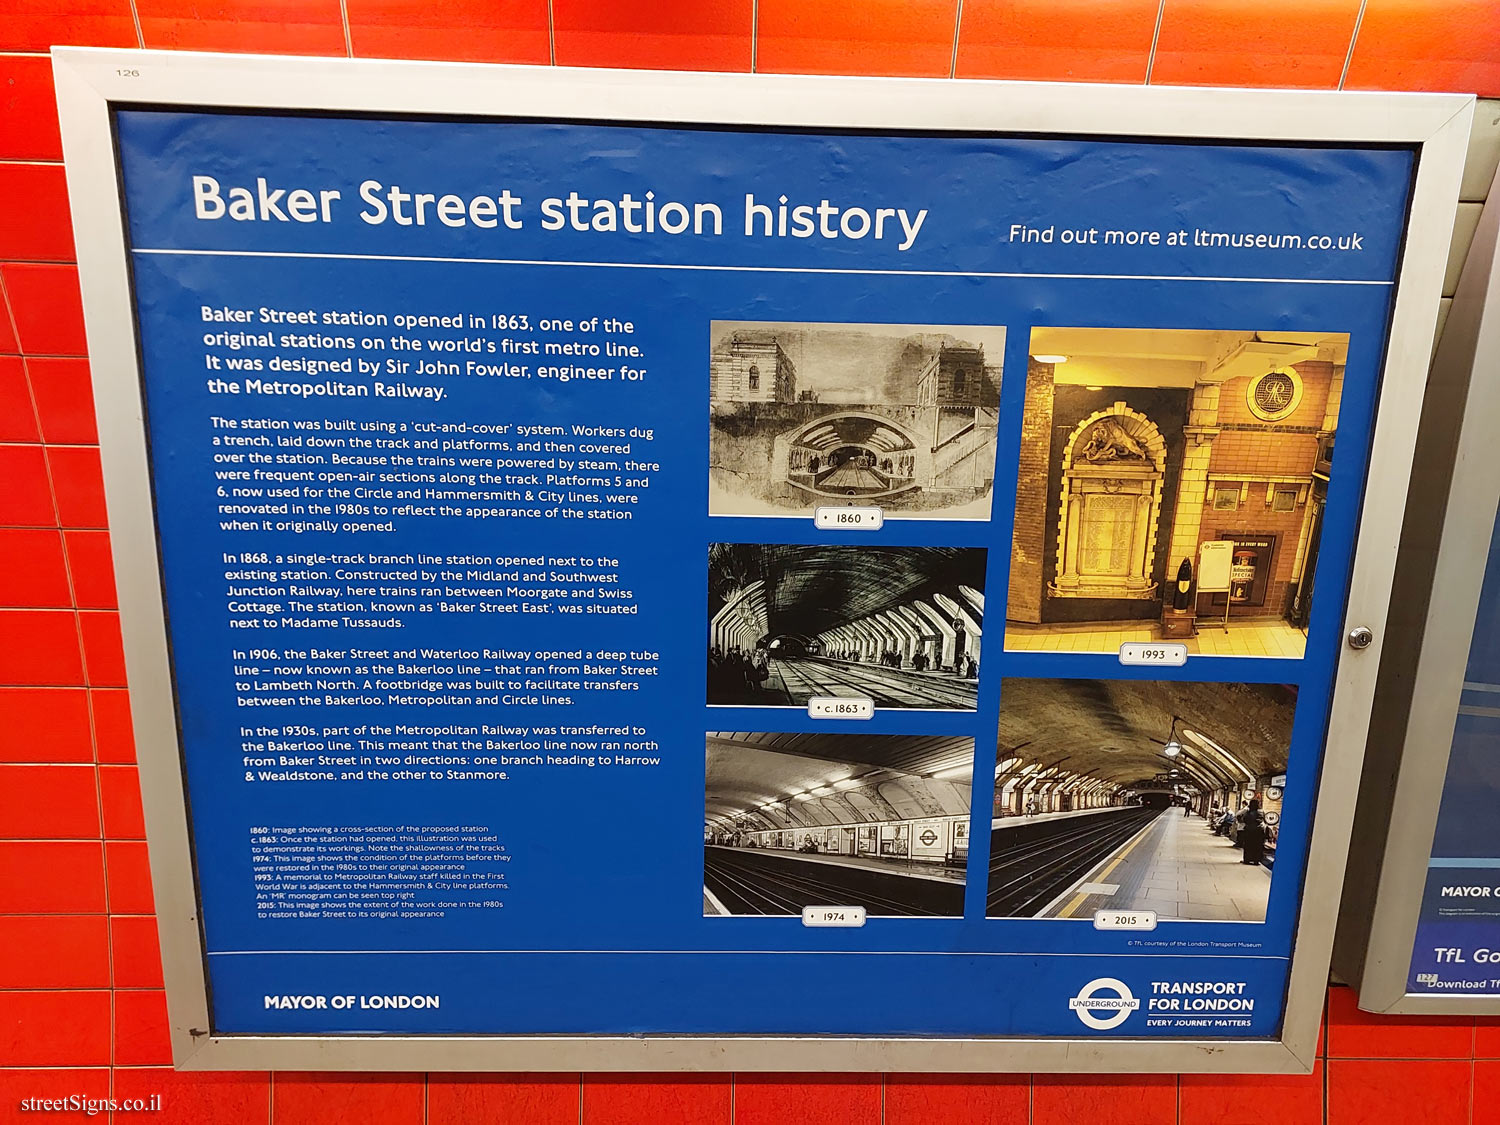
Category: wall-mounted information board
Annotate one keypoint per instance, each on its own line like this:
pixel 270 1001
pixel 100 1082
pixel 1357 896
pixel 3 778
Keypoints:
pixel 676 571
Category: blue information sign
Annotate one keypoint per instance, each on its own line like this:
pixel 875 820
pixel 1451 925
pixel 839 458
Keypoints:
pixel 642 579
pixel 1457 948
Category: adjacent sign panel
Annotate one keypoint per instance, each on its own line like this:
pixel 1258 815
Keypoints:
pixel 1428 936
pixel 505 634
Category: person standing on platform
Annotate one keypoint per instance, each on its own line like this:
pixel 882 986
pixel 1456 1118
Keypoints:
pixel 1253 834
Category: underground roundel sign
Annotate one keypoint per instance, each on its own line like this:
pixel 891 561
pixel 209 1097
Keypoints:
pixel 929 837
pixel 1104 1003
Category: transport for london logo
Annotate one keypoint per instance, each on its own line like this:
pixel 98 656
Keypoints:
pixel 1107 995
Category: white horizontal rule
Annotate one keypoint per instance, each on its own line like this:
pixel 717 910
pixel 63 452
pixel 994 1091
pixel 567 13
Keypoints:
pixel 1124 919
pixel 849 519
pixel 832 707
pixel 1159 654
pixel 833 916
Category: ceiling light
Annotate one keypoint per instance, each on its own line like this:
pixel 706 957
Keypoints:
pixel 1093 388
pixel 846 783
pixel 823 791
pixel 1050 358
pixel 803 796
pixel 956 771
pixel 1172 748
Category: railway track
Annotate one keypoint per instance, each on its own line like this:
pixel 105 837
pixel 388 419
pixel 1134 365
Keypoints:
pixel 747 882
pixel 1026 875
pixel 888 687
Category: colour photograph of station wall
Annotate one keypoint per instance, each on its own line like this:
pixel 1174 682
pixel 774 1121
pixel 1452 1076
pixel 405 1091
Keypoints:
pixel 795 820
pixel 898 415
pixel 1141 445
pixel 1136 795
pixel 901 626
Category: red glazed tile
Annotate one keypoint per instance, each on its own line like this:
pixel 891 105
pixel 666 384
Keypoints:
pixel 91 568
pixel 47 307
pixel 370 1099
pixel 51 877
pixel 129 877
pixel 651 1099
pixel 45 725
pixel 1412 1092
pixel 120 796
pixel 41 951
pixel 1454 46
pixel 1056 40
pixel 38 25
pixel 537 1099
pixel 666 35
pixel 64 399
pixel 815 1099
pixel 103 657
pixel 198 1098
pixel 49 803
pixel 141 1029
pixel 39 648
pixel 135 952
pixel 78 484
pixel 886 37
pixel 975 1099
pixel 511 31
pixel 1353 1034
pixel 1485 1097
pixel 52 1085
pixel 276 27
pixel 26 499
pixel 17 414
pixel 54 1029
pixel 112 725
pixel 1287 43
pixel 42 230
pixel 1106 1099
pixel 8 345
pixel 1487 1037
pixel 1251 1099
pixel 34 575
pixel 28 113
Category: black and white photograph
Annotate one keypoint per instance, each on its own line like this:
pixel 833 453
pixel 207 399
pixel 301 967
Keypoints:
pixel 1138 795
pixel 901 626
pixel 901 416
pixel 877 821
pixel 1172 485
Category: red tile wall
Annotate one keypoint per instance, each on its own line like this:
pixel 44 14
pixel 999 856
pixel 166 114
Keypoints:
pixel 81 1006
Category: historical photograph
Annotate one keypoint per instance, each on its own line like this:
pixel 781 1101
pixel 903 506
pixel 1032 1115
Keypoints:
pixel 793 820
pixel 898 625
pixel 1138 795
pixel 903 416
pixel 1172 486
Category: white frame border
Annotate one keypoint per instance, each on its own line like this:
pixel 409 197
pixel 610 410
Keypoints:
pixel 89 81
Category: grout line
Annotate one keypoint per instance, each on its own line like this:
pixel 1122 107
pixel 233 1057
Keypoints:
pixel 551 35
pixel 1359 19
pixel 958 22
pixel 135 18
pixel 348 34
pixel 754 62
pixel 1161 10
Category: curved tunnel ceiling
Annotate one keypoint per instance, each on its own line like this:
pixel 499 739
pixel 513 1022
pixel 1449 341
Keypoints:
pixel 747 769
pixel 810 590
pixel 1105 728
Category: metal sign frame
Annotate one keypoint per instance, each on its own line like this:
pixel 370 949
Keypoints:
pixel 1378 933
pixel 90 82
